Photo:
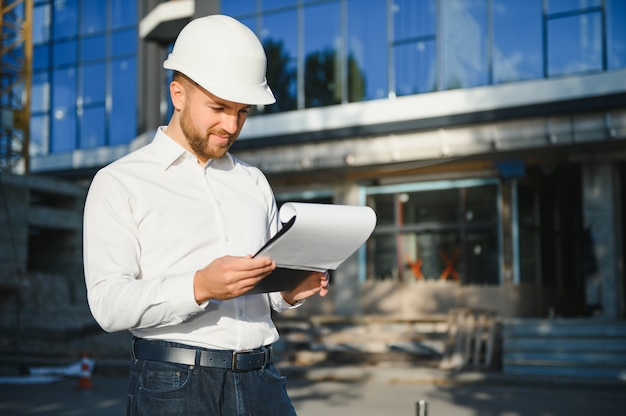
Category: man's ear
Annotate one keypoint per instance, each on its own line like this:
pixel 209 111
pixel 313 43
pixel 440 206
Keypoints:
pixel 178 93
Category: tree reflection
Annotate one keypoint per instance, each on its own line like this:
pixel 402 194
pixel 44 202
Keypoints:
pixel 322 78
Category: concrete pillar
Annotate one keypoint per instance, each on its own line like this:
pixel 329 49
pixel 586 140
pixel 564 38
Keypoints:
pixel 602 214
pixel 345 284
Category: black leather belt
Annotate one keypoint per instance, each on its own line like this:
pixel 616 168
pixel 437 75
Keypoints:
pixel 246 360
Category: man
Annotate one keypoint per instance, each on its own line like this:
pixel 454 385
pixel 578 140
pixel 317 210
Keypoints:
pixel 169 230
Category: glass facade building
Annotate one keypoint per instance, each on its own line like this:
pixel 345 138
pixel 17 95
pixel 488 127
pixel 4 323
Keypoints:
pixel 466 124
pixel 84 75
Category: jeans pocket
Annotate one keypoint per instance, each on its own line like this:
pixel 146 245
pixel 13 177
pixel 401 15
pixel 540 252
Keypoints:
pixel 271 373
pixel 164 378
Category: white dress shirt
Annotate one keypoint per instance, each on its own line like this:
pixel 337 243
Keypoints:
pixel 155 217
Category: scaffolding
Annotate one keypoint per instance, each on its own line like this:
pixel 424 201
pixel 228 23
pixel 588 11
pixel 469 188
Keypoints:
pixel 16 47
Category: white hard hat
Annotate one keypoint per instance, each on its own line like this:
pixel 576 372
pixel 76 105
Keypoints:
pixel 224 57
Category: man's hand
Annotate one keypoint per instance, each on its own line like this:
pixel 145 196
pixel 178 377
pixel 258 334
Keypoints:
pixel 316 282
pixel 230 276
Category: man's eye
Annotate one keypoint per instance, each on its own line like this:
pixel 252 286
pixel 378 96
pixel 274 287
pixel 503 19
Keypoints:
pixel 217 109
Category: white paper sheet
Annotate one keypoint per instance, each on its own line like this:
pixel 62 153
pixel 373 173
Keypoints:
pixel 319 237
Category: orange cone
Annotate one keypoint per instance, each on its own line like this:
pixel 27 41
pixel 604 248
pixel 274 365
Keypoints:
pixel 84 379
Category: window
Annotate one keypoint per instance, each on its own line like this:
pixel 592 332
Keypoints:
pixel 464 43
pixel 367 50
pixel 280 40
pixel 445 231
pixel 64 18
pixel 574 44
pixel 574 37
pixel 517 40
pixel 80 48
pixel 63 110
pixel 415 47
pixel 123 109
pixel 323 49
pixel 616 33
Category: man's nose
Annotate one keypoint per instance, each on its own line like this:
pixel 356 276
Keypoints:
pixel 230 123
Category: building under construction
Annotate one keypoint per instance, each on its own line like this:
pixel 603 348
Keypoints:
pixel 488 136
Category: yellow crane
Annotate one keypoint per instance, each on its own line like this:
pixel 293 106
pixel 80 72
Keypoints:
pixel 16 48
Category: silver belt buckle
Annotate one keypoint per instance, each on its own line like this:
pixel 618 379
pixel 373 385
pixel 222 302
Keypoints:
pixel 233 365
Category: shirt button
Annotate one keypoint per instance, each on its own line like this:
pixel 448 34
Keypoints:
pixel 227 238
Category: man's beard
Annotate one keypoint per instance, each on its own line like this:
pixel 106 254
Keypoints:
pixel 199 142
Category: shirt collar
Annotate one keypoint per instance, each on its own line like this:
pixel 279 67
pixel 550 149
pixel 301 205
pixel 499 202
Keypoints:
pixel 168 151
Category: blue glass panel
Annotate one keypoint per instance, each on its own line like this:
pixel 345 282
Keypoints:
pixel 41 23
pixel 279 37
pixel 39 134
pixel 93 16
pixel 64 53
pixel 238 7
pixel 465 44
pixel 415 66
pixel 367 49
pixel 40 93
pixel 575 44
pixel 414 18
pixel 559 6
pixel 41 57
pixel 65 18
pixel 92 127
pixel 322 83
pixel 274 4
pixel 123 13
pixel 93 48
pixel 517 40
pixel 123 121
pixel 123 43
pixel 63 110
pixel 93 84
pixel 616 33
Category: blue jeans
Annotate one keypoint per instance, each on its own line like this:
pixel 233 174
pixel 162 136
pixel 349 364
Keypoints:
pixel 160 388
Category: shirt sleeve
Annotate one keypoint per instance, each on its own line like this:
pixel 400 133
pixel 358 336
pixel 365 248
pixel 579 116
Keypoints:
pixel 279 304
pixel 119 296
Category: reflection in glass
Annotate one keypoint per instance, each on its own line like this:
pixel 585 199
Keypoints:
pixel 237 7
pixel 517 40
pixel 124 43
pixel 41 23
pixel 123 13
pixel 323 51
pixel 367 50
pixel 560 6
pixel 415 49
pixel 275 4
pixel 41 57
pixel 279 37
pixel 93 48
pixel 40 93
pixel 414 18
pixel 63 110
pixel 416 70
pixel 447 234
pixel 575 44
pixel 92 127
pixel 93 87
pixel 465 44
pixel 65 18
pixel 39 137
pixel 64 53
pixel 93 17
pixel 616 33
pixel 123 118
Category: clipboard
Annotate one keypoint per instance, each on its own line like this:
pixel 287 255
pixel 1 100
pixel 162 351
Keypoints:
pixel 313 237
